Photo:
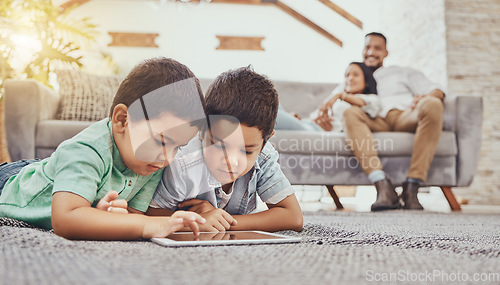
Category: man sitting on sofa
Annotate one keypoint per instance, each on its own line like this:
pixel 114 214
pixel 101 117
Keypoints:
pixel 411 103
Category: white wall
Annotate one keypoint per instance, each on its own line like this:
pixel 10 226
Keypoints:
pixel 416 36
pixel 187 31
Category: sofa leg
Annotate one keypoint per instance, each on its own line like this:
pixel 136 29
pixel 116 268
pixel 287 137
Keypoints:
pixel 450 197
pixel 331 190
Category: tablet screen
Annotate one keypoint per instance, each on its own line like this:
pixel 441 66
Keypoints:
pixel 223 238
pixel 243 235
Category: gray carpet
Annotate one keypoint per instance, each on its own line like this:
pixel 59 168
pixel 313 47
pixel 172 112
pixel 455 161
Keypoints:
pixel 337 248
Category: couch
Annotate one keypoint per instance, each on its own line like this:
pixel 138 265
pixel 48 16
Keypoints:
pixel 307 158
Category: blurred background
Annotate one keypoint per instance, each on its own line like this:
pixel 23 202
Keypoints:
pixel 453 42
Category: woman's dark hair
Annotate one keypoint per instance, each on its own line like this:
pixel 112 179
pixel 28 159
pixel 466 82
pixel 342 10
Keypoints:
pixel 370 83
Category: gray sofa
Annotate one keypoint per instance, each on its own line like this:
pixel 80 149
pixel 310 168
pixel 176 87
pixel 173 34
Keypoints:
pixel 307 158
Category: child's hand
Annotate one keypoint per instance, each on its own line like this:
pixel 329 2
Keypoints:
pixel 111 204
pixel 163 226
pixel 218 220
pixel 197 206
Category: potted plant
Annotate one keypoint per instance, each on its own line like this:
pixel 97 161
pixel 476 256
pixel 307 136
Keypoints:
pixel 36 37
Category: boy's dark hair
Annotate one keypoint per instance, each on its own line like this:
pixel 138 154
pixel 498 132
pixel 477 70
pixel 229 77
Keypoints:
pixel 170 87
pixel 245 95
pixel 377 35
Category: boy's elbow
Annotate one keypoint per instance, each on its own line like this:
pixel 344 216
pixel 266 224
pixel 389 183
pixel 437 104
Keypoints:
pixel 298 222
pixel 63 233
pixel 61 228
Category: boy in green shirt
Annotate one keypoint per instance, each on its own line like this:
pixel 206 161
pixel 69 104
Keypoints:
pixel 157 108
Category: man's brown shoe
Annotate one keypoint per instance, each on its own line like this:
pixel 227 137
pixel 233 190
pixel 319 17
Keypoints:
pixel 387 198
pixel 409 196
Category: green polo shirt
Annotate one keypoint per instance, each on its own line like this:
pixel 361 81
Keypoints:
pixel 89 165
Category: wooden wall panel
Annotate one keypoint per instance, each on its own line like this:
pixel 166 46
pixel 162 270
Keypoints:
pixel 342 13
pixel 133 39
pixel 244 2
pixel 285 8
pixel 240 43
pixel 147 40
pixel 70 3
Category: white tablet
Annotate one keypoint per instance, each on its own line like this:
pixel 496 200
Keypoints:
pixel 223 238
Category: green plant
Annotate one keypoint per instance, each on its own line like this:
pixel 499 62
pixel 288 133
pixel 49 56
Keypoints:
pixel 37 36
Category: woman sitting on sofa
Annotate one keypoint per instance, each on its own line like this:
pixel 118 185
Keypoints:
pixel 360 90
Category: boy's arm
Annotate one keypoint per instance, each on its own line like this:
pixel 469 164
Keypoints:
pixel 74 218
pixel 285 215
pixel 217 220
pixel 273 187
pixel 194 205
pixel 159 212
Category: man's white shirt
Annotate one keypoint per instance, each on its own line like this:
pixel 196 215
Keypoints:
pixel 396 87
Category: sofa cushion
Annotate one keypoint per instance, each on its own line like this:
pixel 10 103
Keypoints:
pixel 388 143
pixel 50 133
pixel 302 98
pixel 85 97
pixel 308 169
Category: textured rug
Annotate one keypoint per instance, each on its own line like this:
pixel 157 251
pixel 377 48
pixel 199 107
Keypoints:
pixel 337 248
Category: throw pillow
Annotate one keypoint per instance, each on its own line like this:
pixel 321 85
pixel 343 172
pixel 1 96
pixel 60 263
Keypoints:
pixel 85 97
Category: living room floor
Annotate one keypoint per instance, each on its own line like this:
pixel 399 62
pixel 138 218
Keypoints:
pixel 316 198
